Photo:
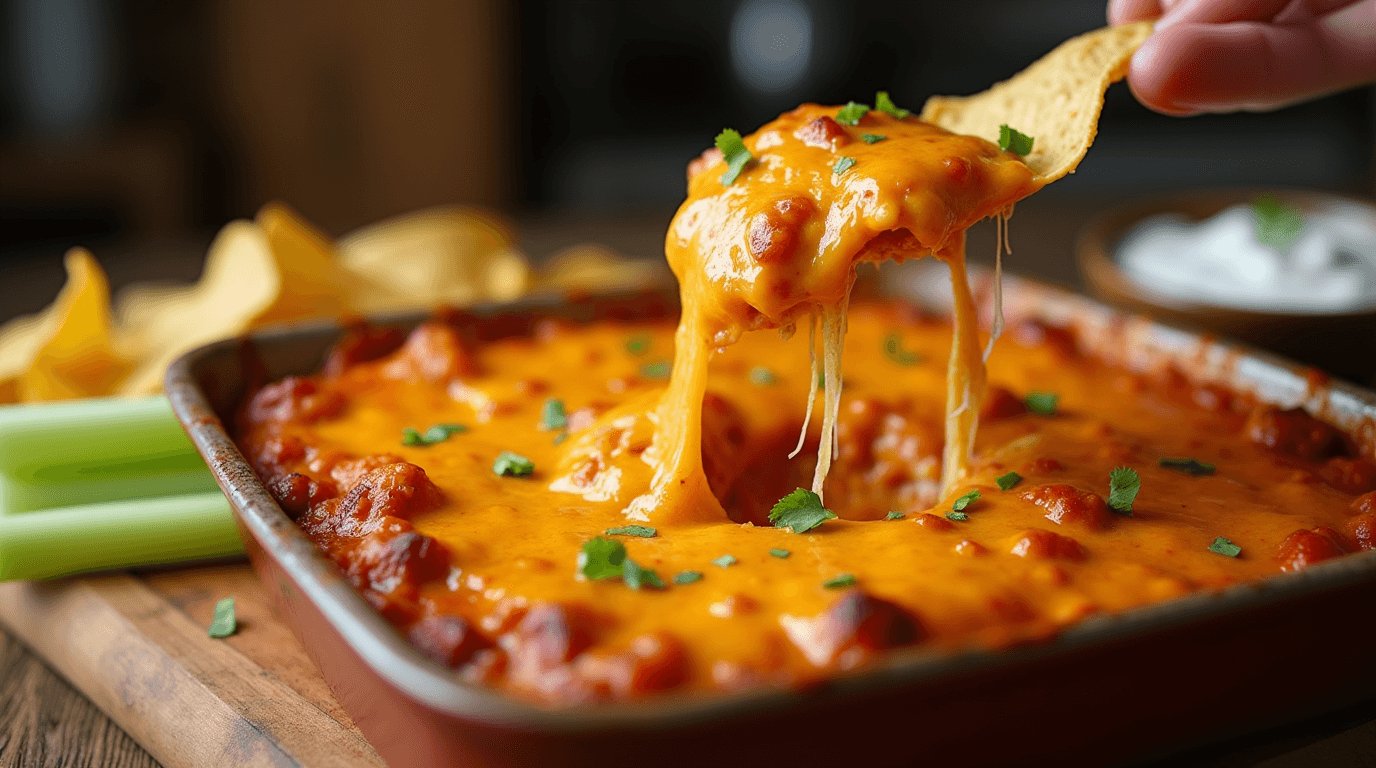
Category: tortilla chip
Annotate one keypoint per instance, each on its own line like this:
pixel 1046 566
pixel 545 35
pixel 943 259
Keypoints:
pixel 1056 100
pixel 77 359
pixel 596 268
pixel 439 256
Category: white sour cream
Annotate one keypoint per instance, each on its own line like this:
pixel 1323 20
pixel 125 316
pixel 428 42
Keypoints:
pixel 1329 267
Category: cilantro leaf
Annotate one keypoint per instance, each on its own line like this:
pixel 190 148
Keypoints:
pixel 638 344
pixel 872 138
pixel 552 415
pixel 762 377
pixel 1224 547
pixel 800 511
pixel 894 516
pixel 1277 224
pixel 688 577
pixel 660 369
pixel 735 154
pixel 1191 467
pixel 725 561
pixel 1010 140
pixel 601 558
pixel 893 349
pixel 510 464
pixel 224 623
pixel 643 531
pixel 966 500
pixel 438 433
pixel 639 577
pixel 884 104
pixel 840 581
pixel 561 437
pixel 851 113
pixel 780 553
pixel 1043 403
pixel 958 517
pixel 1008 481
pixel 1123 485
pixel 842 165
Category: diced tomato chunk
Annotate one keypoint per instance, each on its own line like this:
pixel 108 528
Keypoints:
pixel 1294 433
pixel 1065 504
pixel 1303 548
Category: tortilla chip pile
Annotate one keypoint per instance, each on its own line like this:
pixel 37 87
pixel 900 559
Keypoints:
pixel 279 269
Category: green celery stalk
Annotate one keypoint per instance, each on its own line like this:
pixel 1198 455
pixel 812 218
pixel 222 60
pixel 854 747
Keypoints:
pixel 121 534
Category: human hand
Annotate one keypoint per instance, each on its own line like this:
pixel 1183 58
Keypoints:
pixel 1229 55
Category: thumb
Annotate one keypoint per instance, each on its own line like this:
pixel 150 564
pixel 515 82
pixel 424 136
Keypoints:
pixel 1188 68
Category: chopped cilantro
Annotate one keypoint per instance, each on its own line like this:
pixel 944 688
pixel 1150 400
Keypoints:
pixel 1277 224
pixel 800 511
pixel 643 531
pixel 1224 547
pixel 840 581
pixel 1008 481
pixel 437 433
pixel 510 464
pixel 959 517
pixel 894 516
pixel 638 577
pixel 872 138
pixel 762 377
pixel 966 500
pixel 601 558
pixel 688 577
pixel 884 104
pixel 735 154
pixel 660 369
pixel 851 113
pixel 725 561
pixel 561 437
pixel 1192 467
pixel 780 553
pixel 1043 403
pixel 893 349
pixel 1010 140
pixel 441 432
pixel 1123 485
pixel 843 165
pixel 552 416
pixel 224 623
pixel 638 344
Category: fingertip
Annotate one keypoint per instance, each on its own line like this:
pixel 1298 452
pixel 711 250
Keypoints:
pixel 1152 76
pixel 1128 11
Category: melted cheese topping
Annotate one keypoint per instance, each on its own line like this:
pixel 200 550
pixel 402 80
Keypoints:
pixel 1029 560
pixel 783 241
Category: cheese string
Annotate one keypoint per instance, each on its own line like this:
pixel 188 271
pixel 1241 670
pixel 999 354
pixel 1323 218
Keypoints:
pixel 1001 245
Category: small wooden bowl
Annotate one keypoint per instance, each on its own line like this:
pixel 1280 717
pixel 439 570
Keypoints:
pixel 1340 343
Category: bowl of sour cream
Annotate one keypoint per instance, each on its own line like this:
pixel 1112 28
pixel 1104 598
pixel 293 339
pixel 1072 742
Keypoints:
pixel 1288 270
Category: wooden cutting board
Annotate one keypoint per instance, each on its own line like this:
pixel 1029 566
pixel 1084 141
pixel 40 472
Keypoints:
pixel 137 646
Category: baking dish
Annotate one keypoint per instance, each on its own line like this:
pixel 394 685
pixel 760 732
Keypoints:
pixel 1115 689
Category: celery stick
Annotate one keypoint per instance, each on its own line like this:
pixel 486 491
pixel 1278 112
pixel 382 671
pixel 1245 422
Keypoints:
pixel 52 441
pixel 84 452
pixel 42 545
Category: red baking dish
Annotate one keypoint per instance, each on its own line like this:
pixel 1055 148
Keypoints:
pixel 1122 689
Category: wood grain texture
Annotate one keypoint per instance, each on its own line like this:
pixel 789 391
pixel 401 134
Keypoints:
pixel 188 699
pixel 45 723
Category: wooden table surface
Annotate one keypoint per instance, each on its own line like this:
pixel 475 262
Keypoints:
pixel 46 723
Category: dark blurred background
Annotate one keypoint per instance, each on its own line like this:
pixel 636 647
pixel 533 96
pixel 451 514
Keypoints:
pixel 138 127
